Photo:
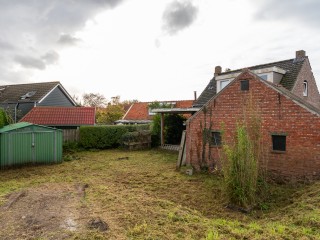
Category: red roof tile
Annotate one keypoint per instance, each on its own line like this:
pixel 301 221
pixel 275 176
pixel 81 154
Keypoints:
pixel 61 116
pixel 140 110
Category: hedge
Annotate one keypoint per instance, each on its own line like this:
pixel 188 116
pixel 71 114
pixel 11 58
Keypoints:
pixel 102 137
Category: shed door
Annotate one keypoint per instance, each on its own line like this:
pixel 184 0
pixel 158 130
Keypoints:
pixel 44 147
pixel 19 150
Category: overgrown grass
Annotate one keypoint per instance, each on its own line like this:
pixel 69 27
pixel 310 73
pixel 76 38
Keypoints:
pixel 240 170
pixel 141 196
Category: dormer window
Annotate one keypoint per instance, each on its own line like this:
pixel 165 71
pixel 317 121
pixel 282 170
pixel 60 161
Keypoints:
pixel 305 88
pixel 264 76
pixel 223 84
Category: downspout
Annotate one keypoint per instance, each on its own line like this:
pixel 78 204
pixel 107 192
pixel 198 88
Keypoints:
pixel 162 129
pixel 15 112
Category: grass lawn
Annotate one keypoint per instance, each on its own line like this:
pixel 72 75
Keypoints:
pixel 140 195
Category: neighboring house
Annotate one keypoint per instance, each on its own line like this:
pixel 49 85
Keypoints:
pixel 141 112
pixel 61 117
pixel 19 99
pixel 283 95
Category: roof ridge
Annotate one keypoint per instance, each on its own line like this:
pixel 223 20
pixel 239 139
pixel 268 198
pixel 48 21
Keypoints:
pixel 166 101
pixel 258 65
pixel 31 83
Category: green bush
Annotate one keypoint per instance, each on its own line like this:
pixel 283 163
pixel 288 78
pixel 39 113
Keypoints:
pixel 138 136
pixel 102 137
pixel 3 118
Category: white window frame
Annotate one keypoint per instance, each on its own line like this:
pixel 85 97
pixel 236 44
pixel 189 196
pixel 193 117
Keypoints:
pixel 220 84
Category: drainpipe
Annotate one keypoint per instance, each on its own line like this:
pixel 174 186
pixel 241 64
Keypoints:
pixel 162 129
pixel 15 112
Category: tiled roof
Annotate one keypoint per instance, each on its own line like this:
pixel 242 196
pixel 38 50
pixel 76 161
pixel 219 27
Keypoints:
pixel 292 67
pixel 140 110
pixel 13 93
pixel 207 94
pixel 61 116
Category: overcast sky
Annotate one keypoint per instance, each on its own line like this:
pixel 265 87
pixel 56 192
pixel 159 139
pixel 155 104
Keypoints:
pixel 149 49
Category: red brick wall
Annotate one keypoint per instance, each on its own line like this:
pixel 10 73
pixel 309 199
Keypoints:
pixel 278 113
pixel 313 93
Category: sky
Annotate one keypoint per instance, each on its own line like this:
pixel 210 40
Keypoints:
pixel 149 50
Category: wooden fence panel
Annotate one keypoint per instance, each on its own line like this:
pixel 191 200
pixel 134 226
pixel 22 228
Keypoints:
pixel 71 135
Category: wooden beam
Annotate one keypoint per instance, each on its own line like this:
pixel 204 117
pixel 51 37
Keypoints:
pixel 162 129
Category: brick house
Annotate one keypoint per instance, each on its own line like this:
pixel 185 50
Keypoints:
pixel 286 100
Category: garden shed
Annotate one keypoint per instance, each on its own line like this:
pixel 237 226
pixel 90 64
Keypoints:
pixel 26 143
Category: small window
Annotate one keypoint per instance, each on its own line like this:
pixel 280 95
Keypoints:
pixel 223 84
pixel 244 85
pixel 215 138
pixel 264 76
pixel 305 88
pixel 279 143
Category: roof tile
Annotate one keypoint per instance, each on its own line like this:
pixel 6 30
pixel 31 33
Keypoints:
pixel 61 116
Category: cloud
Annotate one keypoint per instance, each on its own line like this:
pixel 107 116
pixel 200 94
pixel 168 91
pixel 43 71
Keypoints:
pixel 66 39
pixel 33 32
pixel 30 62
pixel 5 46
pixel 305 12
pixel 50 57
pixel 178 15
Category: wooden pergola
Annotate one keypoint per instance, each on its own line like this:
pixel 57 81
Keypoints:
pixel 163 111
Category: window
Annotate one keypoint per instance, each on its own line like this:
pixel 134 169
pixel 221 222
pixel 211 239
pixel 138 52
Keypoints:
pixel 215 138
pixel 264 76
pixel 279 143
pixel 223 84
pixel 244 85
pixel 305 88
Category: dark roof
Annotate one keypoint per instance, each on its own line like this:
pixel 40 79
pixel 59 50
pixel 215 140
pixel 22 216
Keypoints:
pixel 292 67
pixel 13 93
pixel 207 94
pixel 61 116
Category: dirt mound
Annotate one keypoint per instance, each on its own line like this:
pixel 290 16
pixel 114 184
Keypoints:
pixel 51 211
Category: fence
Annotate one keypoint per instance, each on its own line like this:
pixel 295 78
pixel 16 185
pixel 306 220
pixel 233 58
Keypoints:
pixel 71 135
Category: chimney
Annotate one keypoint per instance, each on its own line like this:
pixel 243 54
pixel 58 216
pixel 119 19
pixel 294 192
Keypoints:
pixel 217 70
pixel 300 54
pixel 195 95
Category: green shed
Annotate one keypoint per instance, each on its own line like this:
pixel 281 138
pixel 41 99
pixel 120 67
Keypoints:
pixel 27 143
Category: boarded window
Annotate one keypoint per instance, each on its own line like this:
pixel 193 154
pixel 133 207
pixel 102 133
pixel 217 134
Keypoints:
pixel 279 143
pixel 244 85
pixel 215 138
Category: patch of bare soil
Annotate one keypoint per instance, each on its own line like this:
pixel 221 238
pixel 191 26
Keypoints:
pixel 49 211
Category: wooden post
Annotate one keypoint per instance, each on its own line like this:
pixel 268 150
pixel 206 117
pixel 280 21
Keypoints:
pixel 181 150
pixel 162 129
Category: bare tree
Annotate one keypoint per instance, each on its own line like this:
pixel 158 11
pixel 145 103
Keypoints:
pixel 94 100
